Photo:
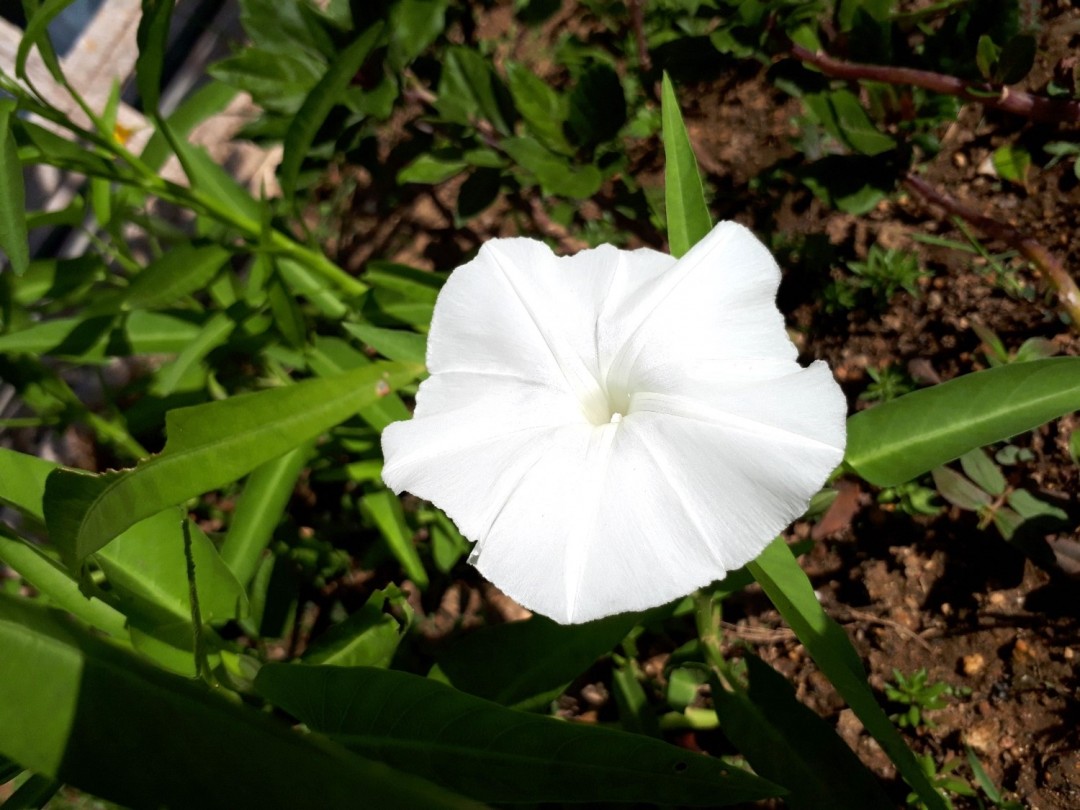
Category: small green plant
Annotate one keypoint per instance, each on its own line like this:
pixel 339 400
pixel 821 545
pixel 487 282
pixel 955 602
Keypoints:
pixel 911 498
pixel 918 696
pixel 887 383
pixel 887 271
pixel 1035 348
pixel 944 780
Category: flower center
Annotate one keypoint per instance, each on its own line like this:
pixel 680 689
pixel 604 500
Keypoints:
pixel 616 418
pixel 608 407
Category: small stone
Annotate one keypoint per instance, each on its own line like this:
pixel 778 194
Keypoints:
pixel 982 736
pixel 973 664
pixel 997 598
pixel 946 609
pixel 959 160
pixel 1068 653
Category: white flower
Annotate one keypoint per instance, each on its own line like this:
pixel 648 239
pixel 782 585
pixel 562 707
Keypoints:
pixel 616 428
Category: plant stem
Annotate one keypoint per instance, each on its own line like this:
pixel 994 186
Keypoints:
pixel 1017 102
pixel 1034 251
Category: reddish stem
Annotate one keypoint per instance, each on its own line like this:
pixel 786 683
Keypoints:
pixel 1017 102
pixel 1034 251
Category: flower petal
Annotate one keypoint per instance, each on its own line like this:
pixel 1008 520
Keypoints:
pixel 470 439
pixel 716 302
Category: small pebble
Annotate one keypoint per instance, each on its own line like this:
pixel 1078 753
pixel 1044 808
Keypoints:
pixel 973 664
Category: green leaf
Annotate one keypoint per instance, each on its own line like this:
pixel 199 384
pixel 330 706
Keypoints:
pixel 688 217
pixel 404 293
pixel 431 170
pixel 493 753
pixel 210 335
pixel 414 24
pixel 152 38
pixel 843 117
pixel 37 33
pixel 384 510
pixel 393 344
pixel 13 237
pixel 87 726
pixel 542 107
pixel 1016 60
pixel 262 502
pixel 527 664
pixel 1031 508
pixel 787 743
pixel 987 53
pixel 1011 163
pixel 147 569
pixel 213 181
pixel 979 468
pixel 210 99
pixel 596 106
pixel 898 440
pixel 367 638
pixel 556 174
pixel 208 446
pixel 58 586
pixel 323 97
pixel 789 589
pixel 958 490
pixel 22 481
pixel 469 91
pixel 183 270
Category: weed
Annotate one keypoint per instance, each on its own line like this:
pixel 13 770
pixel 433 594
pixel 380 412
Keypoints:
pixel 918 696
pixel 887 383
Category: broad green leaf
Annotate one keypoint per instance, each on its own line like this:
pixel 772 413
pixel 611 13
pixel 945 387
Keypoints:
pixel 154 333
pixel 384 510
pixel 1011 163
pixel 262 502
pixel 527 664
pixel 367 638
pixel 431 170
pixel 542 107
pixel 393 344
pixel 596 107
pixel 152 38
pixel 555 173
pixel 958 490
pixel 208 446
pixel 147 569
pixel 898 440
pixel 185 269
pixel 469 91
pixel 22 481
pixel 789 589
pixel 984 472
pixel 492 753
pixel 786 742
pixel 58 586
pixel 13 238
pixel 87 725
pixel 317 106
pixel 688 217
pixel 414 24
pixel 1016 60
pixel 403 293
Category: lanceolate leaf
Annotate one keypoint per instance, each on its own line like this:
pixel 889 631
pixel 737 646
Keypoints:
pixel 90 729
pixel 13 241
pixel 896 441
pixel 208 446
pixel 786 584
pixel 153 39
pixel 318 104
pixel 37 33
pixel 181 271
pixel 688 217
pixel 493 753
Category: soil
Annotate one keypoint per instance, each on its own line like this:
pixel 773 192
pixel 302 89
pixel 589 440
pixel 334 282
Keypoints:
pixel 938 593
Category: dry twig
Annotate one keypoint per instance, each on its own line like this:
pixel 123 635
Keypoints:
pixel 1034 251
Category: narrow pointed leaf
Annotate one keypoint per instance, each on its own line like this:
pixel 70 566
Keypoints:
pixel 318 104
pixel 13 238
pixel 89 729
pixel 525 664
pixel 208 446
pixel 785 741
pixel 688 217
pixel 152 38
pixel 786 584
pixel 493 753
pixel 183 270
pixel 896 441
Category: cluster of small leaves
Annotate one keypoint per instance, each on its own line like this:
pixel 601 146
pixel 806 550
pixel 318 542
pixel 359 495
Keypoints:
pixel 884 273
pixel 918 697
